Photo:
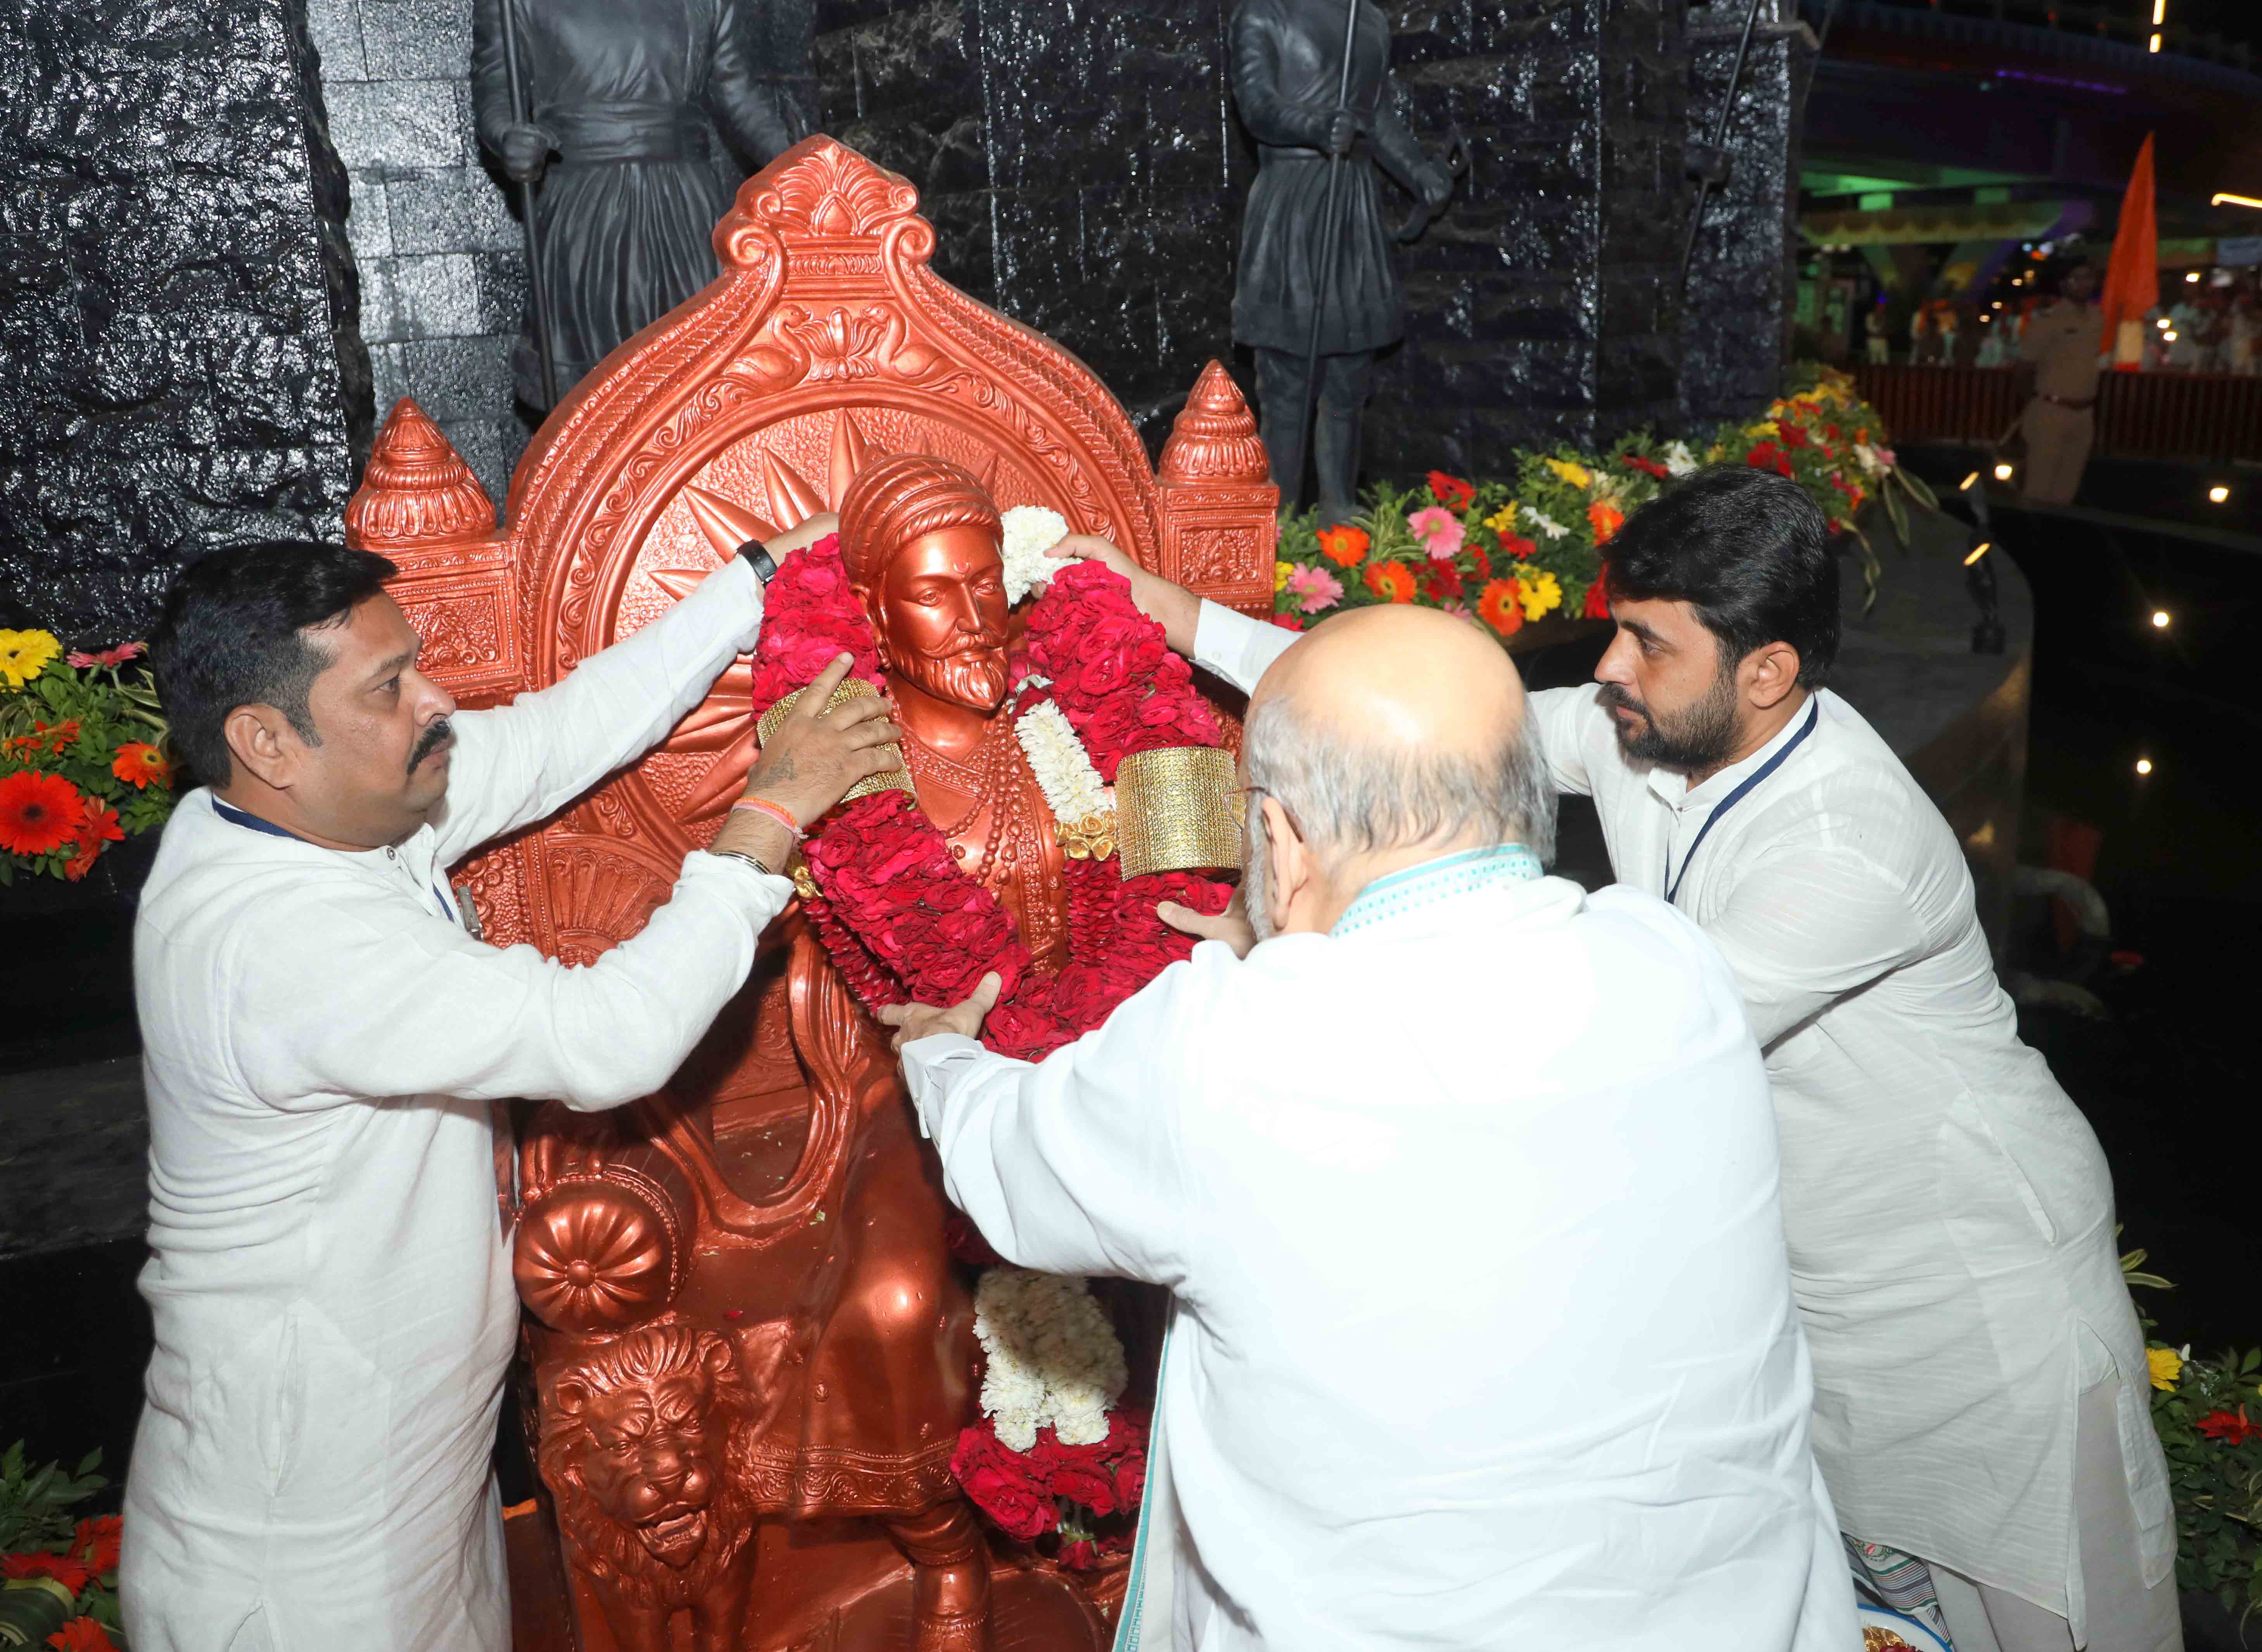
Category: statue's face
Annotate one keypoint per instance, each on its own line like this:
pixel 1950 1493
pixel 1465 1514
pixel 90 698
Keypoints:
pixel 941 615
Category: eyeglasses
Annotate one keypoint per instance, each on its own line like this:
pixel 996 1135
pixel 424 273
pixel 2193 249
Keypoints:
pixel 1243 793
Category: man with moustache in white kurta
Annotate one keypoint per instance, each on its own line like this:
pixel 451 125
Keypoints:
pixel 1981 1389
pixel 322 1037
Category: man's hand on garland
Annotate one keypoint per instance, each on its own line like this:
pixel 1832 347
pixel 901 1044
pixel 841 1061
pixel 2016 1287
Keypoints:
pixel 1230 925
pixel 915 1021
pixel 1177 609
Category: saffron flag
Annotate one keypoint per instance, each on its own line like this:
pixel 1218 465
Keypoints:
pixel 2132 281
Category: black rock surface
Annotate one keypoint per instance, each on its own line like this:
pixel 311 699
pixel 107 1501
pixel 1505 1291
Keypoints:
pixel 174 302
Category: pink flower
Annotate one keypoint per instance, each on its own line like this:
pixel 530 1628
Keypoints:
pixel 117 656
pixel 1315 590
pixel 1438 529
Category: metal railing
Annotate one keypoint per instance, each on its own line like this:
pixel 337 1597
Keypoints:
pixel 2126 24
pixel 2208 418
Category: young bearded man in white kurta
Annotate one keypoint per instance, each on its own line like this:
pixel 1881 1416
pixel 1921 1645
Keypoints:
pixel 322 1038
pixel 1463 1186
pixel 1981 1392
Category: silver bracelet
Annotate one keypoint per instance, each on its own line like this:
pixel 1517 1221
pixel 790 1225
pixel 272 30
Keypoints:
pixel 741 854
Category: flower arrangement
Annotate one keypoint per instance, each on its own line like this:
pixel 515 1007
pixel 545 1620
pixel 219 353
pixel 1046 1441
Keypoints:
pixel 1094 683
pixel 1053 1453
pixel 1505 553
pixel 83 755
pixel 2207 1412
pixel 58 1576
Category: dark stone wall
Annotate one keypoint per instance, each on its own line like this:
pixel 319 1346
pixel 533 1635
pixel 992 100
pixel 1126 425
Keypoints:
pixel 1743 281
pixel 1540 307
pixel 1079 163
pixel 174 303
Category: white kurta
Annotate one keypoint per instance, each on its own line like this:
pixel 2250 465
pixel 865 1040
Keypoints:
pixel 1949 1210
pixel 332 1295
pixel 1484 1334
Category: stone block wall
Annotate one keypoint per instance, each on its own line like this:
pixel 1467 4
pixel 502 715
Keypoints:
pixel 178 360
pixel 1743 281
pixel 1540 307
pixel 443 266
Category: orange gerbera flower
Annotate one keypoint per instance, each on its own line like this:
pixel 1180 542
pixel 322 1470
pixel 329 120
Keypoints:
pixel 1450 491
pixel 1343 545
pixel 1392 581
pixel 82 1634
pixel 138 764
pixel 1500 607
pixel 38 813
pixel 1607 519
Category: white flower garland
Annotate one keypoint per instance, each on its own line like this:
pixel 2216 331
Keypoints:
pixel 1053 1356
pixel 1030 530
pixel 1063 768
pixel 1678 460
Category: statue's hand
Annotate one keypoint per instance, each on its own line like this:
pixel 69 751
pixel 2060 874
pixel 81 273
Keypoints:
pixel 524 151
pixel 1230 925
pixel 1341 131
pixel 1436 187
pixel 808 533
pixel 915 1021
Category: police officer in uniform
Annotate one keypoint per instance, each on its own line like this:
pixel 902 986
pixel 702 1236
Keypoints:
pixel 2062 350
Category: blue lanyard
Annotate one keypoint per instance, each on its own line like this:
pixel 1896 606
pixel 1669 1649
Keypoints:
pixel 1673 883
pixel 246 819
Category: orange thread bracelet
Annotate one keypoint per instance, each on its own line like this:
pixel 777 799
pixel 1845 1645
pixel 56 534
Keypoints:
pixel 776 811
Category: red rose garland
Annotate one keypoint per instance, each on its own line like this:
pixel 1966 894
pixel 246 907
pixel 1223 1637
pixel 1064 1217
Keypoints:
pixel 901 919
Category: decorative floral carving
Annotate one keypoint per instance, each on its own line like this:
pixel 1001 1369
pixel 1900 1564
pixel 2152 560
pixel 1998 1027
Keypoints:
pixel 1215 556
pixel 597 900
pixel 462 629
pixel 416 490
pixel 825 188
pixel 1213 438
pixel 600 1253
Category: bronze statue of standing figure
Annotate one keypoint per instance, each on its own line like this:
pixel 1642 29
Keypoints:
pixel 1310 119
pixel 622 92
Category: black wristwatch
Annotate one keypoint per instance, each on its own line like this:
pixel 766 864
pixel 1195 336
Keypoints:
pixel 756 555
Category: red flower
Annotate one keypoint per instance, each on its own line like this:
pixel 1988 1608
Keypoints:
pixel 82 1634
pixel 1767 457
pixel 1441 581
pixel 1598 597
pixel 1390 581
pixel 113 657
pixel 2231 1430
pixel 1450 491
pixel 1287 622
pixel 1482 562
pixel 71 1573
pixel 97 1539
pixel 1647 466
pixel 99 828
pixel 1517 548
pixel 38 813
pixel 1005 1485
pixel 1791 434
pixel 140 764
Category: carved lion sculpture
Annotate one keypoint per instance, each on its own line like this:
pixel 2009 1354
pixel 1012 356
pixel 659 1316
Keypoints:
pixel 640 1441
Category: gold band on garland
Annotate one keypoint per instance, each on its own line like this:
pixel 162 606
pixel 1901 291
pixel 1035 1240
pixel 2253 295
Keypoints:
pixel 1174 810
pixel 895 779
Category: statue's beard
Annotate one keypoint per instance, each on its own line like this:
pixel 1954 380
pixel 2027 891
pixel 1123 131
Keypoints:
pixel 973 675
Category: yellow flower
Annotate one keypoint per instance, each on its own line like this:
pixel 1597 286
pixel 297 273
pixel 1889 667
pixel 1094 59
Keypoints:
pixel 1280 573
pixel 1765 426
pixel 2167 1366
pixel 1541 592
pixel 1577 475
pixel 23 654
pixel 1501 520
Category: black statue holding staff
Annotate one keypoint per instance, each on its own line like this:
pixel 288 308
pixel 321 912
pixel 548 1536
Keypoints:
pixel 621 91
pixel 1311 120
